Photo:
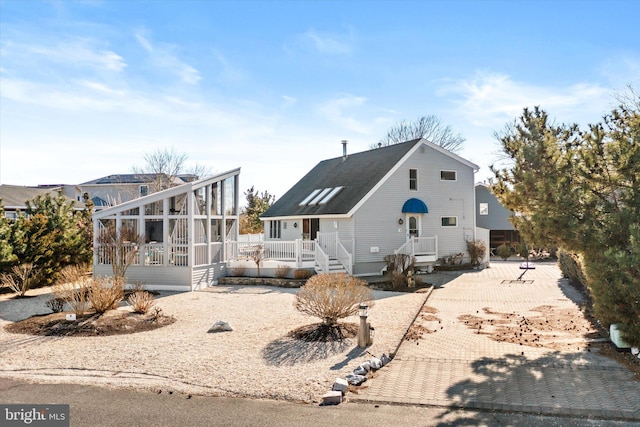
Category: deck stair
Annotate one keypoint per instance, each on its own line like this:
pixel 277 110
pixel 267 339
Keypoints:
pixel 335 266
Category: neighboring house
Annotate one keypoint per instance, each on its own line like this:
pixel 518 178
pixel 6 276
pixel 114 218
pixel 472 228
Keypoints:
pixel 491 215
pixel 414 197
pixel 14 197
pixel 114 189
pixel 185 230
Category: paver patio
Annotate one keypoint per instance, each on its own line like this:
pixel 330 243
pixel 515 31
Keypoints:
pixel 457 366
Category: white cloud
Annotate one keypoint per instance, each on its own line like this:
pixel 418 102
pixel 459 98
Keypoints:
pixel 288 101
pixel 336 111
pixel 162 55
pixel 69 53
pixel 622 70
pixel 329 43
pixel 490 100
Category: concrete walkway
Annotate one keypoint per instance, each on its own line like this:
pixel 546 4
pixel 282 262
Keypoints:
pixel 456 363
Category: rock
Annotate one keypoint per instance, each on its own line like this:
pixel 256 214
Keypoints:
pixel 384 359
pixel 354 379
pixel 340 385
pixel 635 351
pixel 360 371
pixel 375 363
pixel 220 326
pixel 332 398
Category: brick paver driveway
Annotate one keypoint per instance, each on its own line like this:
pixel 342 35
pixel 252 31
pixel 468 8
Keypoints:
pixel 481 342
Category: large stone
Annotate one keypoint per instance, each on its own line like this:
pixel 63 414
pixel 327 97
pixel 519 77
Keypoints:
pixel 332 398
pixel 220 326
pixel 340 385
pixel 375 363
pixel 360 371
pixel 384 359
pixel 354 379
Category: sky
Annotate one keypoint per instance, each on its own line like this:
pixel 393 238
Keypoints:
pixel 87 88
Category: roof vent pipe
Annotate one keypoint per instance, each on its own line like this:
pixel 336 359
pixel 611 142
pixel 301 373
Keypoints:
pixel 344 149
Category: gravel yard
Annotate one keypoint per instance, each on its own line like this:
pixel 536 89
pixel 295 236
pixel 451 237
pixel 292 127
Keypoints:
pixel 257 359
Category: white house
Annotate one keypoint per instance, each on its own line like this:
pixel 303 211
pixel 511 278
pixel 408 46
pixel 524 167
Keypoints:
pixel 414 197
pixel 185 230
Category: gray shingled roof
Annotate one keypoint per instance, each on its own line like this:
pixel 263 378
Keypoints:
pixel 16 196
pixel 358 174
pixel 131 178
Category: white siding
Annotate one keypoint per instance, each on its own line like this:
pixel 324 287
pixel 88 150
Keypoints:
pixel 376 222
pixel 156 278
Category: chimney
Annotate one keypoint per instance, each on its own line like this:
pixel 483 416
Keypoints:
pixel 344 150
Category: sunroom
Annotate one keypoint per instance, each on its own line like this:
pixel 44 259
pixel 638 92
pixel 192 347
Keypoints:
pixel 185 231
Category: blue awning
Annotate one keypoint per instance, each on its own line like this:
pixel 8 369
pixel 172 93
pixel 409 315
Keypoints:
pixel 414 205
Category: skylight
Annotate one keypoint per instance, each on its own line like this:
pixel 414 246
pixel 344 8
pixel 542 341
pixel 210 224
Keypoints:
pixel 320 196
pixel 309 197
pixel 330 196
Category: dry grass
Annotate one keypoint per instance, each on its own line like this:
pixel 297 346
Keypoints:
pixel 141 301
pixel 105 293
pixel 282 271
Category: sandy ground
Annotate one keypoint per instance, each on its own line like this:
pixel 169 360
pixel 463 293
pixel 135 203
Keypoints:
pixel 257 359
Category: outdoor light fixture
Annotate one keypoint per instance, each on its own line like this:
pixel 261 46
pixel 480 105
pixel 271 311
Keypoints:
pixel 363 310
pixel 400 221
pixel 295 225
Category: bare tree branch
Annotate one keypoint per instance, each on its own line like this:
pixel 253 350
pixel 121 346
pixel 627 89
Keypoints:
pixel 427 127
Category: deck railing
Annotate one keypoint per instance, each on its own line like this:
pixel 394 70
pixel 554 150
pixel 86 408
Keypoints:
pixel 417 246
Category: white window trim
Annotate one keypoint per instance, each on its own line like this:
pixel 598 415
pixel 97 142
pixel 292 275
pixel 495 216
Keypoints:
pixel 449 180
pixel 275 232
pixel 449 226
pixel 413 189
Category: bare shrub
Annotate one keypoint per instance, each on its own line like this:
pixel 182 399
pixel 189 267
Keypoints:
pixel 301 274
pixel 73 288
pixel 398 279
pixel 21 278
pixel 332 296
pixel 399 262
pixel 477 250
pixel 258 256
pixel 282 271
pixel 141 301
pixel 56 305
pixel 121 247
pixel 105 293
pixel 237 271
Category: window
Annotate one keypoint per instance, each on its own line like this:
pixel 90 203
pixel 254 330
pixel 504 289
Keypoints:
pixel 449 221
pixel 484 208
pixel 413 179
pixel 448 176
pixel 144 190
pixel 274 229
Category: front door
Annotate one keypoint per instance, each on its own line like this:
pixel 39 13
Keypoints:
pixel 310 228
pixel 414 224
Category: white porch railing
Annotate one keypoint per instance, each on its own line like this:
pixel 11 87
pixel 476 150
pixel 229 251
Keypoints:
pixel 322 258
pixel 329 243
pixel 420 246
pixel 345 258
pixel 291 250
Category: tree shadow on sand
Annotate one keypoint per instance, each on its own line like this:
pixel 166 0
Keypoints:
pixel 309 344
pixel 558 383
